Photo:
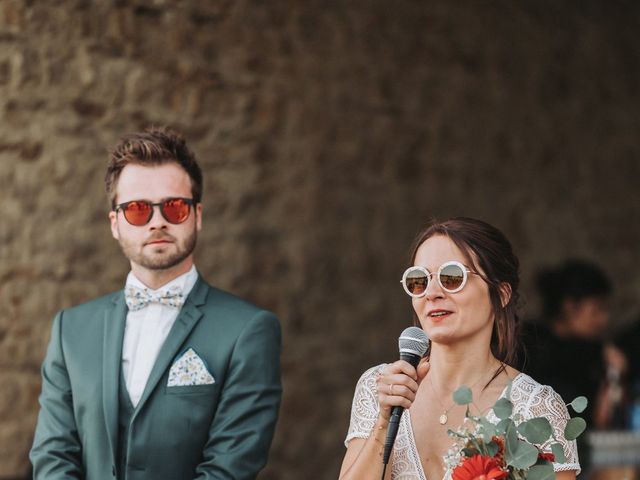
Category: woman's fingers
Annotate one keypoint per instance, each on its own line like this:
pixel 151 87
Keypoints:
pixel 402 367
pixel 423 369
pixel 397 386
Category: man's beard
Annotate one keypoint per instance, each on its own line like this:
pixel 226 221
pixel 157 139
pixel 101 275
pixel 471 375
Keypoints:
pixel 160 261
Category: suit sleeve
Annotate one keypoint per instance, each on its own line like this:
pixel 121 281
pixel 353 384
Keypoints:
pixel 242 429
pixel 56 452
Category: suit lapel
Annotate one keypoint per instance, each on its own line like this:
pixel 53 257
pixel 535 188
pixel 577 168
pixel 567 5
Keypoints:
pixel 114 324
pixel 187 319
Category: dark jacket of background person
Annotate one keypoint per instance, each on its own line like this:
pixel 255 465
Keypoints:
pixel 566 349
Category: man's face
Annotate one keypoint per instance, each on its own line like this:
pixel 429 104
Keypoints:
pixel 158 245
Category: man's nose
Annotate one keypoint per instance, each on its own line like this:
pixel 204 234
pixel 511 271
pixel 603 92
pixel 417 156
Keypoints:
pixel 157 219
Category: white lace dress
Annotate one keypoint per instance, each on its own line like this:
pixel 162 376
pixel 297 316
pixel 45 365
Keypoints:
pixel 530 399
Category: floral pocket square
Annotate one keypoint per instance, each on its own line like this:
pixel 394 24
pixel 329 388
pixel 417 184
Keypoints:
pixel 189 369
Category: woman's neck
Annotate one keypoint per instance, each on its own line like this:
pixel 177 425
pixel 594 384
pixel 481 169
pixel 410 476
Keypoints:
pixel 451 368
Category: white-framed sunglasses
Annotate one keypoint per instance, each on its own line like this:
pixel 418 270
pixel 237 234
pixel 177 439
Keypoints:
pixel 452 277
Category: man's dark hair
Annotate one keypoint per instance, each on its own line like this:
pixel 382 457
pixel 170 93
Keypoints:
pixel 574 279
pixel 154 146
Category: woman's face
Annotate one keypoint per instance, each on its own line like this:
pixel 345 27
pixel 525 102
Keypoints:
pixel 452 317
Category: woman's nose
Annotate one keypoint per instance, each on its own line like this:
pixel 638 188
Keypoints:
pixel 433 290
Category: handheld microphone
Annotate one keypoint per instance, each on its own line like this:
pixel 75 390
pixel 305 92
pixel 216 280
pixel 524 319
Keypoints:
pixel 413 344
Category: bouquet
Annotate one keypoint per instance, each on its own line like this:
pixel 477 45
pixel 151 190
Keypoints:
pixel 510 449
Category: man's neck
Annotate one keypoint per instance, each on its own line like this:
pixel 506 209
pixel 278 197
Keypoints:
pixel 154 279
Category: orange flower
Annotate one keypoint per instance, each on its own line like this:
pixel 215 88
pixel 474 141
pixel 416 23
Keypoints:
pixel 479 467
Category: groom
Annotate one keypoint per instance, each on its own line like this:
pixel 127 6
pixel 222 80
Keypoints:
pixel 169 378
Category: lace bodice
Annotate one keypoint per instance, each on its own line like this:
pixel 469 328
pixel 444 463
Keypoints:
pixel 530 399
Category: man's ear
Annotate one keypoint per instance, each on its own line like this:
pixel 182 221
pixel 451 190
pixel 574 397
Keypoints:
pixel 198 210
pixel 505 293
pixel 113 220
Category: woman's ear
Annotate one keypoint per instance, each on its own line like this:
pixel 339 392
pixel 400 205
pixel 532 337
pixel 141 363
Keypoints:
pixel 505 293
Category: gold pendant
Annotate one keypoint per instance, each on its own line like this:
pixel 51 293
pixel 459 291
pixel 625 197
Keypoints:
pixel 443 419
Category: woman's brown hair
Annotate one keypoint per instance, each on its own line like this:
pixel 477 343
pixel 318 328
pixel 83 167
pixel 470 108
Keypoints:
pixel 487 250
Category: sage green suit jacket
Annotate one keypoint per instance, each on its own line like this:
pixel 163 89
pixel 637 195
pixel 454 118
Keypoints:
pixel 221 430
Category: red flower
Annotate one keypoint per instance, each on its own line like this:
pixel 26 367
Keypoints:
pixel 479 467
pixel 549 457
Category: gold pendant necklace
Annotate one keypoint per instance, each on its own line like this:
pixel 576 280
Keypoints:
pixel 444 416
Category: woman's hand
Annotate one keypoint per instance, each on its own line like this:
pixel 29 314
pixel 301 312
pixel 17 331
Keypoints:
pixel 398 385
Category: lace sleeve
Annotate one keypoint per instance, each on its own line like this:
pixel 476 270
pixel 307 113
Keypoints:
pixel 364 409
pixel 542 401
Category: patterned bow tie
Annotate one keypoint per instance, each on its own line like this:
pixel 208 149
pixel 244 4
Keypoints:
pixel 138 298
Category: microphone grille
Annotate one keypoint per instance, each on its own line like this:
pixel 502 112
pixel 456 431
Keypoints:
pixel 413 340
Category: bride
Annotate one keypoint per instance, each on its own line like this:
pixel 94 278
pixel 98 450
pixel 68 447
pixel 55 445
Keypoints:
pixel 463 283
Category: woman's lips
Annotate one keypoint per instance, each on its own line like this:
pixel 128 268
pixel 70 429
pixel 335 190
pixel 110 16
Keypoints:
pixel 438 315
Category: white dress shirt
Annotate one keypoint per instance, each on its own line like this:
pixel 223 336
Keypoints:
pixel 145 332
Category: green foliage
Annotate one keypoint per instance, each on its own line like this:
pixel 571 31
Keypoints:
pixel 511 440
pixel 541 472
pixel 523 456
pixel 522 438
pixel 536 430
pixel 469 452
pixel 503 408
pixel 503 425
pixel 558 452
pixel 488 429
pixel 492 448
pixel 462 396
pixel 574 428
pixel 579 404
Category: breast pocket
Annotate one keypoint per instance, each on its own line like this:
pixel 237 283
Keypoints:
pixel 192 389
pixel 186 413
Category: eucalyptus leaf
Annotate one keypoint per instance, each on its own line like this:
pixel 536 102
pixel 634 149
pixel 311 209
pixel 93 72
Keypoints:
pixel 503 425
pixel 579 404
pixel 469 452
pixel 492 448
pixel 541 472
pixel 503 408
pixel 574 428
pixel 536 430
pixel 558 452
pixel 511 439
pixel 462 396
pixel 523 456
pixel 488 429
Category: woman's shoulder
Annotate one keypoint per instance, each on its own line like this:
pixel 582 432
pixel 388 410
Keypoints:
pixel 527 385
pixel 364 407
pixel 533 398
pixel 370 375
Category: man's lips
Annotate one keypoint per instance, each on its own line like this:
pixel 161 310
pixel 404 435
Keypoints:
pixel 160 241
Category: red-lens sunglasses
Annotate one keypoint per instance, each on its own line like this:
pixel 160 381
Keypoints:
pixel 139 212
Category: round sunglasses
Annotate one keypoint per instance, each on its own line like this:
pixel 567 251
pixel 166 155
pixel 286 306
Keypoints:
pixel 139 212
pixel 452 277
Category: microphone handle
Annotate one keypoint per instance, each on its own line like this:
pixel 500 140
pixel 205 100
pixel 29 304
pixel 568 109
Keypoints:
pixel 396 413
pixel 392 432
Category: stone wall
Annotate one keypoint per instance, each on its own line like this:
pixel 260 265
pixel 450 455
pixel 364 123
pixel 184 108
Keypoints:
pixel 329 133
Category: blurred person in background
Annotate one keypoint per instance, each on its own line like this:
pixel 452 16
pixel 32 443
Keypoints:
pixel 567 348
pixel 628 339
